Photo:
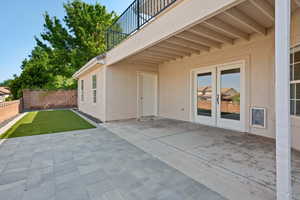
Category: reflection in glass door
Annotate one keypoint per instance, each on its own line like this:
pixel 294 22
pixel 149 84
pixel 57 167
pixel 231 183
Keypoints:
pixel 230 94
pixel 230 97
pixel 205 96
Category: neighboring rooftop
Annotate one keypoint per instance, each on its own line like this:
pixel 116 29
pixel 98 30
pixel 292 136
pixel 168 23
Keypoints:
pixel 4 90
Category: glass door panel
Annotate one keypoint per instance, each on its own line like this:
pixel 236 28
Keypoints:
pixel 231 97
pixel 204 94
pixel 230 94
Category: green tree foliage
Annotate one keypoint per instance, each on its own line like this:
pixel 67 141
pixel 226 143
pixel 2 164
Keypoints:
pixel 5 83
pixel 64 46
pixel 35 73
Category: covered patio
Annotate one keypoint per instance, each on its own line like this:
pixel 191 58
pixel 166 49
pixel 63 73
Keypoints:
pixel 237 165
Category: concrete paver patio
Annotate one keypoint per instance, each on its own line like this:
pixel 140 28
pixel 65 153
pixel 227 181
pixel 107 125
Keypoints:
pixel 92 164
pixel 236 165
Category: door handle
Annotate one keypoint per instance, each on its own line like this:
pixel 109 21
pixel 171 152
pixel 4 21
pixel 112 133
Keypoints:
pixel 218 98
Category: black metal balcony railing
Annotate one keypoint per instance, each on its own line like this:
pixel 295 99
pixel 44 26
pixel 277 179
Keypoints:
pixel 133 18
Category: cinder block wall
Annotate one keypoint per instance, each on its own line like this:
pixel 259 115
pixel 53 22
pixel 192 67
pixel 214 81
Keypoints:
pixel 44 99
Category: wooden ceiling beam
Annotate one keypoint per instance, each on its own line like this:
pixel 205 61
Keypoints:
pixel 265 7
pixel 198 39
pixel 213 35
pixel 156 56
pixel 188 44
pixel 242 18
pixel 222 26
pixel 141 62
pixel 152 58
pixel 163 52
pixel 160 55
pixel 178 48
pixel 173 51
pixel 147 60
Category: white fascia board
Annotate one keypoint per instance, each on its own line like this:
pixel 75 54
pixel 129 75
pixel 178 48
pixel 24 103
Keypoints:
pixel 97 60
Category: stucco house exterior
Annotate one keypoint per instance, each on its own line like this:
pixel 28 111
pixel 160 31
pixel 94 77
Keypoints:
pixel 250 47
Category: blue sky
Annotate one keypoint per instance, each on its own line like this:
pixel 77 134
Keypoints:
pixel 21 20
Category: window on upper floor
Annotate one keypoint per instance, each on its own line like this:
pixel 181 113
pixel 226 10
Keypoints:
pixel 295 81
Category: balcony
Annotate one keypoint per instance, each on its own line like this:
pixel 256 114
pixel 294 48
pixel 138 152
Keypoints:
pixel 185 28
pixel 139 13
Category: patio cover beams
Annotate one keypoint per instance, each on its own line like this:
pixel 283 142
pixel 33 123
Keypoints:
pixel 165 52
pixel 242 18
pixel 213 35
pixel 174 51
pixel 178 48
pixel 188 44
pixel 219 25
pixel 159 55
pixel 265 7
pixel 212 32
pixel 198 39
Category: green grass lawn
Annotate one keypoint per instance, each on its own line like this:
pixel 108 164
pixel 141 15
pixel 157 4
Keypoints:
pixel 44 122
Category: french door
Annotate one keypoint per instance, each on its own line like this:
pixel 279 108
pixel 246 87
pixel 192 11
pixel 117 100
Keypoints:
pixel 219 96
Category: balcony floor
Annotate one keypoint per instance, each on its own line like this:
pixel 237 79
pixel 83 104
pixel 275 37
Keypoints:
pixel 221 159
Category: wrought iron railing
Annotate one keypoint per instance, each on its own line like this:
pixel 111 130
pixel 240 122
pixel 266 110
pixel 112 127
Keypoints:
pixel 133 18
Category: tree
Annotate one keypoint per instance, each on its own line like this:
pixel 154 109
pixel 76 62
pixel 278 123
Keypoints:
pixel 35 73
pixel 15 87
pixel 64 46
pixel 82 37
pixel 5 83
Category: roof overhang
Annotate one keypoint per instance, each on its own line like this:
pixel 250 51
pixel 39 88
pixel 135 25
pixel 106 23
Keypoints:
pixel 216 28
pixel 95 61
pixel 4 91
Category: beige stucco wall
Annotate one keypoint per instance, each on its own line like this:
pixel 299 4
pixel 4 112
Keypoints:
pixel 121 91
pixel 116 91
pixel 174 80
pixel 95 109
